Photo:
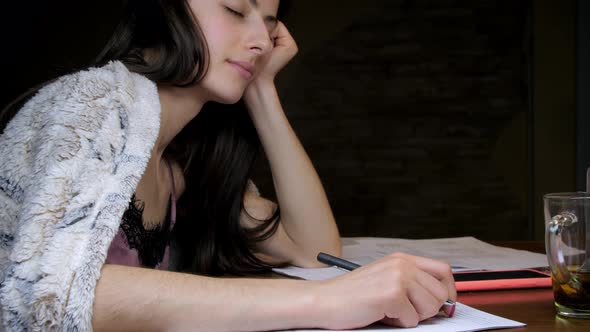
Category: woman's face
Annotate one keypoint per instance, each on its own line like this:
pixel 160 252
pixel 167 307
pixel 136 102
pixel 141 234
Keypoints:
pixel 238 35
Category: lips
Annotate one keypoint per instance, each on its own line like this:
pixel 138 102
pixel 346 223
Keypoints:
pixel 245 69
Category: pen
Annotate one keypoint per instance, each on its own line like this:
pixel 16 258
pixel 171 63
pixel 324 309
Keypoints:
pixel 448 307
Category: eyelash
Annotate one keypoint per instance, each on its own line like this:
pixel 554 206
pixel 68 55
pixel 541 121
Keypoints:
pixel 234 12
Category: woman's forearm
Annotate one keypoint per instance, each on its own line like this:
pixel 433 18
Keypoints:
pixel 305 212
pixel 403 289
pixel 137 299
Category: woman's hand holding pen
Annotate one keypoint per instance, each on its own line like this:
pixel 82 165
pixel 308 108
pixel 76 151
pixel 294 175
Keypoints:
pixel 398 290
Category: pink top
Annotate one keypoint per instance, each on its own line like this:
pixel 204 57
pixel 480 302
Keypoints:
pixel 120 252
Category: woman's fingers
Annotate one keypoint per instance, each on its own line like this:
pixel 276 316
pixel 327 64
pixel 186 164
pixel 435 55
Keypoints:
pixel 404 314
pixel 423 298
pixel 424 293
pixel 269 64
pixel 283 51
pixel 282 37
pixel 399 290
pixel 438 290
pixel 425 285
pixel 440 271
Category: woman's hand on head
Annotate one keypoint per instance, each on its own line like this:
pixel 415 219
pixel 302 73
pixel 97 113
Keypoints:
pixel 398 290
pixel 283 51
pixel 257 93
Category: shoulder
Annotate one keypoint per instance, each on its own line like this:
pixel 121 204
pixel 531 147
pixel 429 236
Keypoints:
pixel 91 112
pixel 93 90
pixel 89 99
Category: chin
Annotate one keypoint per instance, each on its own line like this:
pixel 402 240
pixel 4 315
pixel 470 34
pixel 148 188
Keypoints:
pixel 223 88
pixel 228 98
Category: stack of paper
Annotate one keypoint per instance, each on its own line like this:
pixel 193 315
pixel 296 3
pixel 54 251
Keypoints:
pixel 462 253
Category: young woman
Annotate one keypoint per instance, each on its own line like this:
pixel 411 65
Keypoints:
pixel 125 188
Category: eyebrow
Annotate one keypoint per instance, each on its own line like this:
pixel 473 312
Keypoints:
pixel 270 18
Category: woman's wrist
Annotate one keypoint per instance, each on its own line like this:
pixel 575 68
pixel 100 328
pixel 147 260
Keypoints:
pixel 318 312
pixel 261 93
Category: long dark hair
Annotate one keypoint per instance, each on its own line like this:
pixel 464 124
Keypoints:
pixel 216 150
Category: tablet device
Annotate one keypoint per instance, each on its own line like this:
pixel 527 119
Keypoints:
pixel 504 279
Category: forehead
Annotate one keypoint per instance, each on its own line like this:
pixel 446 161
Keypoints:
pixel 266 5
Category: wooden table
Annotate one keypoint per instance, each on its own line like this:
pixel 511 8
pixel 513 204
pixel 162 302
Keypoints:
pixel 533 307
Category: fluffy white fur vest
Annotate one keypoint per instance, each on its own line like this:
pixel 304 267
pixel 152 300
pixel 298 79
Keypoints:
pixel 69 162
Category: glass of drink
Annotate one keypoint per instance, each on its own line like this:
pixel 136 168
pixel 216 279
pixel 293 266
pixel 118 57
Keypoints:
pixel 567 242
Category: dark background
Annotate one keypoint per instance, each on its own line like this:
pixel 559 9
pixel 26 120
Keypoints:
pixel 423 118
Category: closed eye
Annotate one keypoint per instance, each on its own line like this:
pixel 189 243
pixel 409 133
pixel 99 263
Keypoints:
pixel 234 12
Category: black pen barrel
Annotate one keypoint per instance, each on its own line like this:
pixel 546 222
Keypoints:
pixel 335 261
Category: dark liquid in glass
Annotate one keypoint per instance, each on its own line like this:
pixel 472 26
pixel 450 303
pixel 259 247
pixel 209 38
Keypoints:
pixel 574 295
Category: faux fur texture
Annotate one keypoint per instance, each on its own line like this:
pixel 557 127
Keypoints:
pixel 69 162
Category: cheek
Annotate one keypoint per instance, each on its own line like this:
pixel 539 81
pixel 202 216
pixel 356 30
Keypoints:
pixel 219 36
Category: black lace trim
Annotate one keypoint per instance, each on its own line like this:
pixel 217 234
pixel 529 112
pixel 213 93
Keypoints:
pixel 150 244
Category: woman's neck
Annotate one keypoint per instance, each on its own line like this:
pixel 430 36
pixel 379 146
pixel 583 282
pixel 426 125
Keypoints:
pixel 178 107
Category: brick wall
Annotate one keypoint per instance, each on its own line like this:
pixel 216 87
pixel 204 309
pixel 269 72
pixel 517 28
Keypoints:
pixel 414 114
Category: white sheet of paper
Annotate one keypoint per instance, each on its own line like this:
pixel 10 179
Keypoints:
pixel 462 253
pixel 465 319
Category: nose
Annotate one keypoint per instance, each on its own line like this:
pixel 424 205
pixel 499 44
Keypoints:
pixel 259 41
